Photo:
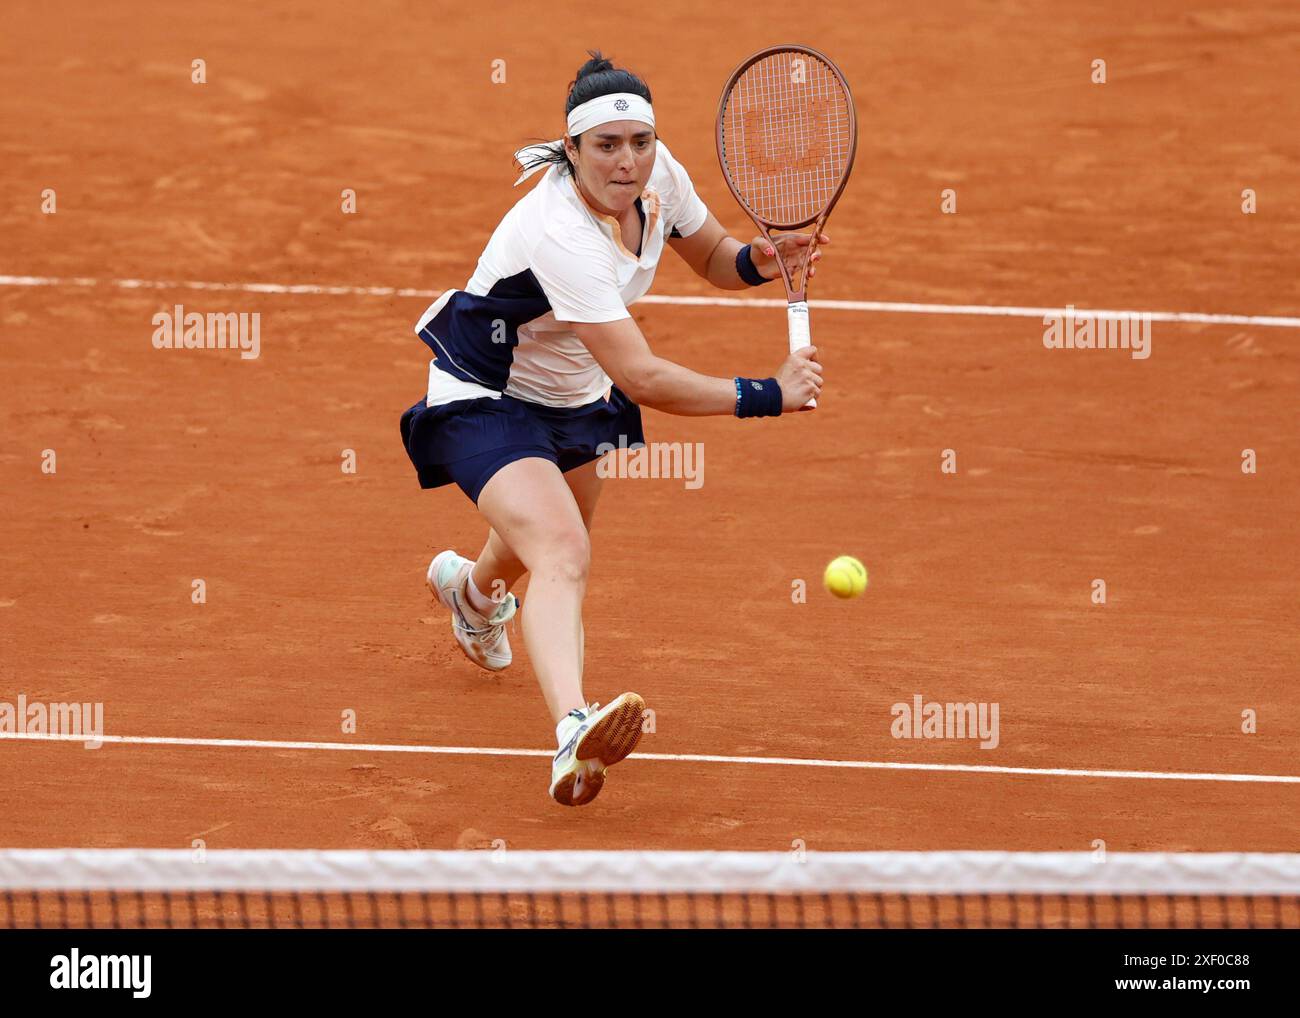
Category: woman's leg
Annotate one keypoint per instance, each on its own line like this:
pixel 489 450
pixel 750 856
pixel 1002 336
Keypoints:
pixel 534 514
pixel 497 568
pixel 585 484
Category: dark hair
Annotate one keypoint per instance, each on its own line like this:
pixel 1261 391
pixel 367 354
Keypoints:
pixel 596 77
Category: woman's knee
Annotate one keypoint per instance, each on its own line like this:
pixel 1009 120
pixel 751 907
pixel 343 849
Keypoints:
pixel 567 556
pixel 528 505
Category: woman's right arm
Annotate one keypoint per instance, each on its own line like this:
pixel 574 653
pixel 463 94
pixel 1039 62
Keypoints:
pixel 650 380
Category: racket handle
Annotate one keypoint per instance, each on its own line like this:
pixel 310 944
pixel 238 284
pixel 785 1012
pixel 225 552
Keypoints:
pixel 800 336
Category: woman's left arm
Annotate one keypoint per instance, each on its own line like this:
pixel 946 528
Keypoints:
pixel 711 253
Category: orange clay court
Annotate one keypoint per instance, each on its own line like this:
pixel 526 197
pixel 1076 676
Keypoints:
pixel 1072 465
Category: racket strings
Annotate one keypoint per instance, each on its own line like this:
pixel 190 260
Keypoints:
pixel 787 136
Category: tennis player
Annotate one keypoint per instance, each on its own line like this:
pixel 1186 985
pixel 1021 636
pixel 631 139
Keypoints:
pixel 536 363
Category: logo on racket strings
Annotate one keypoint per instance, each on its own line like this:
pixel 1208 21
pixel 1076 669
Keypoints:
pixel 771 149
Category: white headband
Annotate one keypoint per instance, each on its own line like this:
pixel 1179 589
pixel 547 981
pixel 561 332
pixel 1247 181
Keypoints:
pixel 603 109
pixel 606 108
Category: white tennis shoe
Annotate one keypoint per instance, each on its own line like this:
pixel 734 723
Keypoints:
pixel 592 739
pixel 483 639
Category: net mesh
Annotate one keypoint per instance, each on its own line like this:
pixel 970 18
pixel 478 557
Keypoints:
pixel 433 910
pixel 786 137
pixel 121 889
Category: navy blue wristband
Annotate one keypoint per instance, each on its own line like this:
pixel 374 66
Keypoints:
pixel 757 397
pixel 745 267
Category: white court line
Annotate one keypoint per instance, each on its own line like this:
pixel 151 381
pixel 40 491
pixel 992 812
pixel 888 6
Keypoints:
pixel 779 761
pixel 893 307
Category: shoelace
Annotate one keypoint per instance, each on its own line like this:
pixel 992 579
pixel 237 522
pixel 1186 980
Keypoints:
pixel 490 632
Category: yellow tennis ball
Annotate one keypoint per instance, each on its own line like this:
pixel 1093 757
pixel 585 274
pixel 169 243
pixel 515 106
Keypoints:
pixel 846 577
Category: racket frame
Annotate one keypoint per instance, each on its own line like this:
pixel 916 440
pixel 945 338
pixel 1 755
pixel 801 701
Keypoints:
pixel 797 299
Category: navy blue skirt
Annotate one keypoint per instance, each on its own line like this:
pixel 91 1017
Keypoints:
pixel 467 441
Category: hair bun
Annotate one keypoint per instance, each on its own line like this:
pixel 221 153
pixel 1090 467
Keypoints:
pixel 595 65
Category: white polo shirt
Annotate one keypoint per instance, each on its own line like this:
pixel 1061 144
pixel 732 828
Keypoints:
pixel 553 260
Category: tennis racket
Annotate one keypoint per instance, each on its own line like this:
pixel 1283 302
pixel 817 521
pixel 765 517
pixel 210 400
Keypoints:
pixel 787 134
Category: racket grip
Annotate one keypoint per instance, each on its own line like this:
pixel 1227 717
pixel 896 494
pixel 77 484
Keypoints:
pixel 797 317
pixel 800 336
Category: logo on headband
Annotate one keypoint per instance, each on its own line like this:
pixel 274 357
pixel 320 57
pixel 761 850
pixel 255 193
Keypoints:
pixel 620 104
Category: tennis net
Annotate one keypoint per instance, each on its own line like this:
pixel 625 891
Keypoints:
pixel 507 888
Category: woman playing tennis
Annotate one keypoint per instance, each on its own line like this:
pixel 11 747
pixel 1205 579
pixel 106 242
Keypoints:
pixel 537 363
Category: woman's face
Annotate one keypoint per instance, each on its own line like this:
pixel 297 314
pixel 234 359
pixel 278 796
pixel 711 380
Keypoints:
pixel 614 163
